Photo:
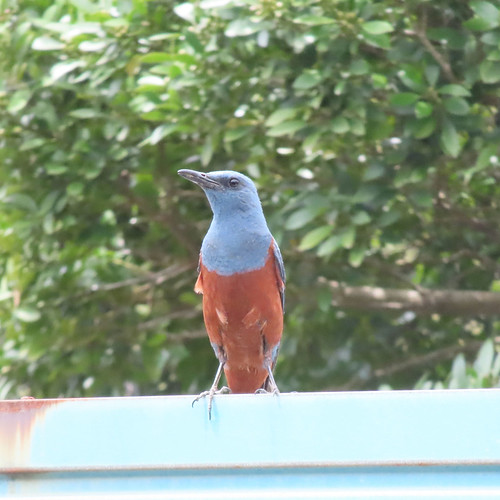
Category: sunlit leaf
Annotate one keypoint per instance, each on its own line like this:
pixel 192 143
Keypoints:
pixel 377 27
pixel 315 237
pixel 44 43
pixel 27 314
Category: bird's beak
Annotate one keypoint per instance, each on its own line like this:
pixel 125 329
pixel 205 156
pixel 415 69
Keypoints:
pixel 203 180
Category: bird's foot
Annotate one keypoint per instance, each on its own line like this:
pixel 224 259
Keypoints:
pixel 211 393
pixel 274 392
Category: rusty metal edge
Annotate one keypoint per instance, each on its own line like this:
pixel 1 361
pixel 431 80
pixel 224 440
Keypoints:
pixel 256 466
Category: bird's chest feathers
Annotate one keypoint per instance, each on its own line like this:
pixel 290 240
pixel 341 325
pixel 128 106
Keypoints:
pixel 235 249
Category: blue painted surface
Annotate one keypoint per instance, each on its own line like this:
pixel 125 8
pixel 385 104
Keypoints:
pixel 443 444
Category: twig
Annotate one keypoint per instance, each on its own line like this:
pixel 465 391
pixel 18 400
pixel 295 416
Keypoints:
pixel 421 34
pixel 444 354
pixel 155 322
pixel 157 278
pixel 432 357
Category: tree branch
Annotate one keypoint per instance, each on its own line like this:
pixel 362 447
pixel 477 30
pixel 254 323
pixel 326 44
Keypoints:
pixel 420 33
pixel 444 354
pixel 157 278
pixel 433 357
pixel 425 301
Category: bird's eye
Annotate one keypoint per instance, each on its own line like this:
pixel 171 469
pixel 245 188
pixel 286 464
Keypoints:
pixel 233 182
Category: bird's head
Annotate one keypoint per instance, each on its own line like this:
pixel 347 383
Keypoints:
pixel 228 192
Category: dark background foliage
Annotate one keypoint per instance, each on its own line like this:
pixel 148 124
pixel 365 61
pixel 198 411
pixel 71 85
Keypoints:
pixel 370 128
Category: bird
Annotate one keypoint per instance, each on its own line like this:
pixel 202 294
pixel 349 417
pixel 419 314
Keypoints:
pixel 242 279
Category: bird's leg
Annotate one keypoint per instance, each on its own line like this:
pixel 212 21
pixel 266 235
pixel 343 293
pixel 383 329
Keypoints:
pixel 270 384
pixel 213 391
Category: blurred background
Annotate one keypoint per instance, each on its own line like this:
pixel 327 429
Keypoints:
pixel 371 129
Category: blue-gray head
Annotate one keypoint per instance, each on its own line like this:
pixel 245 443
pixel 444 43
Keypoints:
pixel 238 239
pixel 229 193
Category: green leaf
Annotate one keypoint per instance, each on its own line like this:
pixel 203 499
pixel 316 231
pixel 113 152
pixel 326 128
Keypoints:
pixel 236 133
pixel 424 127
pixel 207 151
pixel 423 109
pixel 48 202
pixel 491 38
pixel 186 11
pixel 75 188
pixel 311 20
pixel 356 256
pixel 63 68
pixel 27 314
pixel 456 106
pixel 310 142
pixel 301 217
pixel 361 218
pixel 377 27
pixel 459 373
pixel 454 89
pixel 366 193
pixel 493 55
pixel 279 116
pixel 454 38
pixel 374 171
pixel 348 236
pixel 484 360
pixel 151 81
pixel 245 27
pixel 93 45
pixel 359 67
pixel 286 128
pixel 487 12
pixel 84 113
pixel 43 43
pixel 22 201
pixel 340 125
pixel 477 24
pixel 315 237
pixel 343 239
pixel 490 71
pixel 404 99
pixel 194 42
pixel 495 286
pixel 159 133
pixel 389 218
pixel 55 169
pixel 19 100
pixel 331 245
pixel 412 76
pixel 381 41
pixel 307 80
pixel 422 198
pixel 450 140
pixel 432 74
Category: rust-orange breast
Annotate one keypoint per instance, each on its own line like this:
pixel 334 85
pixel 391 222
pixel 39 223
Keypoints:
pixel 244 318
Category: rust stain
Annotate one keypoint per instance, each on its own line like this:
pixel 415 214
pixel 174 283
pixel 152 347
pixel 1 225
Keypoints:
pixel 17 420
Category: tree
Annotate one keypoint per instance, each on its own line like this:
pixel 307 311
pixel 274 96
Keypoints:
pixel 370 128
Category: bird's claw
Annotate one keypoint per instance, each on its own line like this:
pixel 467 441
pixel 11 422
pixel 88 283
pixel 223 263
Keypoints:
pixel 200 396
pixel 274 392
pixel 211 393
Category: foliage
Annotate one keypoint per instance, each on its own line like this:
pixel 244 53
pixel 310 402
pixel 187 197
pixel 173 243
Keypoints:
pixel 370 127
pixel 484 372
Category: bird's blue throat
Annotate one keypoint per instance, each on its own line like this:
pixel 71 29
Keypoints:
pixel 236 243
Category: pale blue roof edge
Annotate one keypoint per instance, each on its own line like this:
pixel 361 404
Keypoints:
pixel 309 443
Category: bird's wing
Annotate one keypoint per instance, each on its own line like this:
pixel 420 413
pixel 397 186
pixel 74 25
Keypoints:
pixel 198 287
pixel 280 272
